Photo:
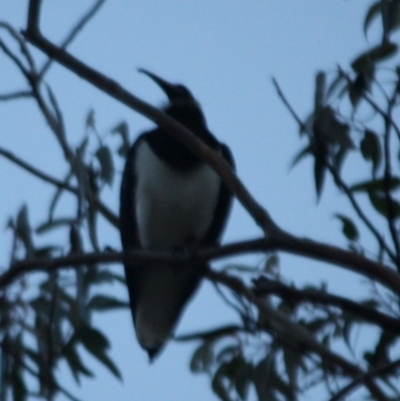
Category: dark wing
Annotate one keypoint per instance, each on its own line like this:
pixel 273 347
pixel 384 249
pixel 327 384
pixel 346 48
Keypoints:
pixel 169 287
pixel 223 206
pixel 127 222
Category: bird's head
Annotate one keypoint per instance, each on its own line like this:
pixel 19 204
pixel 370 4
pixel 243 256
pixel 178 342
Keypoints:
pixel 182 104
pixel 175 92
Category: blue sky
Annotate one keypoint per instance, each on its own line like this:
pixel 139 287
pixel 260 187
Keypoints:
pixel 226 52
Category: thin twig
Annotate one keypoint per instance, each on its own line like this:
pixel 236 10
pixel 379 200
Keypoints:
pixel 103 209
pixel 74 32
pixel 22 45
pixel 14 58
pixel 343 186
pixel 288 105
pixel 389 369
pixel 23 94
pixel 264 286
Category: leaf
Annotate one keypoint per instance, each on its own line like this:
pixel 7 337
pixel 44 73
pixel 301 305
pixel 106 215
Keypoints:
pixel 75 363
pixel 377 185
pixel 372 13
pixel 390 11
pixel 371 149
pixel 292 361
pixel 123 130
pixel 349 229
pixel 202 358
pixel 378 201
pixel 217 383
pixel 75 239
pixel 92 227
pixel 329 130
pixel 92 338
pixel 97 344
pixel 54 224
pixel 57 111
pixel 361 84
pixel 336 85
pixel 320 90
pixel 339 158
pixel 243 379
pixel 308 150
pixel 90 120
pixel 109 364
pixel 103 302
pixel 272 264
pixel 227 353
pixel 19 389
pixel 376 54
pixel 319 175
pixel 347 327
pixel 23 230
pixel 105 159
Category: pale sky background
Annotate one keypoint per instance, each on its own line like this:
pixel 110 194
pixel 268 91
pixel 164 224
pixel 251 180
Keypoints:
pixel 226 52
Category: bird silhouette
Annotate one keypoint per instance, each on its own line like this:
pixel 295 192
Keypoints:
pixel 170 200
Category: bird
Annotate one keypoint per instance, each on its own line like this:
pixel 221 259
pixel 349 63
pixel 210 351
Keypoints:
pixel 170 200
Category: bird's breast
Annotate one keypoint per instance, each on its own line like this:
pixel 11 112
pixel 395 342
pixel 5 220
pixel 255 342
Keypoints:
pixel 173 208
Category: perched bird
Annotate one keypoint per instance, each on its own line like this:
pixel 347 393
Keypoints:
pixel 170 200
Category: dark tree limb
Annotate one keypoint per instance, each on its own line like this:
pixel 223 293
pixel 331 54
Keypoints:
pixel 293 245
pixel 389 369
pixel 74 32
pixel 177 130
pixel 264 286
pixel 296 335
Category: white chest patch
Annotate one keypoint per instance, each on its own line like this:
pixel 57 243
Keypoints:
pixel 173 209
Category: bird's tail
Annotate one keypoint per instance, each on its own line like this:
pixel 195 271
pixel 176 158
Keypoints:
pixel 159 299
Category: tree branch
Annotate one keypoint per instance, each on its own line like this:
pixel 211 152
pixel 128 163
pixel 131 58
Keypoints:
pixel 295 334
pixel 389 369
pixel 232 329
pixel 177 130
pixel 264 286
pixel 23 94
pixel 74 32
pixel 304 247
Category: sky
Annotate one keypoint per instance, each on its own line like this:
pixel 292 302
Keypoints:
pixel 226 52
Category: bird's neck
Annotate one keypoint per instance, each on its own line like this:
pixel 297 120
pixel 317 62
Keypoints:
pixel 173 152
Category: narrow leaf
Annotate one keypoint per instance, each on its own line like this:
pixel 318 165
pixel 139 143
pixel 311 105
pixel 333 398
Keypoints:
pixel 123 130
pixel 375 185
pixel 349 229
pixel 319 175
pixel 372 13
pixel 376 54
pixel 105 159
pixel 371 150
